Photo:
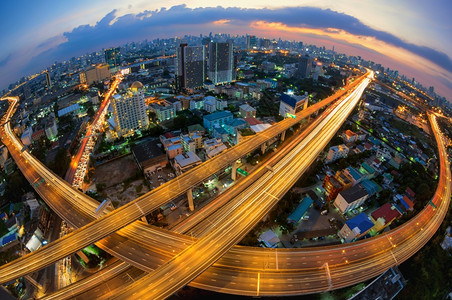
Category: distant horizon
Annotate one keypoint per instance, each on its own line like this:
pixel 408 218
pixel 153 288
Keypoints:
pixel 410 36
pixel 234 35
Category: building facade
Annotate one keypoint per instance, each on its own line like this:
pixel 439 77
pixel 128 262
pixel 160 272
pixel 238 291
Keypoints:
pixel 351 198
pixel 113 57
pixel 218 119
pixel 129 110
pixel 336 152
pixel 291 104
pixel 191 66
pixel 220 62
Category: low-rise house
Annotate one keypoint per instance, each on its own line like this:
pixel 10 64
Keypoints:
pixel 336 152
pixel 149 157
pixel 246 111
pixel 174 150
pixel 186 161
pixel 407 203
pixel 356 228
pixel 382 217
pixel 349 136
pixel 351 198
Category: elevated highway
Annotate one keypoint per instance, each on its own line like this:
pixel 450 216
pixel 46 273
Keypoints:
pixel 141 206
pixel 269 260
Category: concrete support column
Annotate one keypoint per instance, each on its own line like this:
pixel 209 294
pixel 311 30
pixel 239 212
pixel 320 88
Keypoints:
pixel 263 147
pixel 191 205
pixel 283 136
pixel 234 171
pixel 143 218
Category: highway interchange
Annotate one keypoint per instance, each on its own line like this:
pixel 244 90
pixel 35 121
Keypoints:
pixel 276 262
pixel 128 213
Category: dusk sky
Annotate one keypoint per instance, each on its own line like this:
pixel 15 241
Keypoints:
pixel 412 36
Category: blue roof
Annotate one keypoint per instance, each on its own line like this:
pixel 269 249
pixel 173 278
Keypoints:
pixel 361 221
pixel 236 122
pixel 68 109
pixel 220 130
pixel 8 238
pixel 301 209
pixel 218 115
pixel 172 147
pixel 374 140
pixel 355 174
pixel 291 100
pixel 405 204
pixel 371 186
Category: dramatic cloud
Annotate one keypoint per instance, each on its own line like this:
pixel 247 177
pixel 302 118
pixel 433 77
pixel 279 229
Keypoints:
pixel 179 20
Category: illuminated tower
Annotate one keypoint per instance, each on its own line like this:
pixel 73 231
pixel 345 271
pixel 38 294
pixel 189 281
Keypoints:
pixel 113 57
pixel 191 67
pixel 220 63
pixel 129 110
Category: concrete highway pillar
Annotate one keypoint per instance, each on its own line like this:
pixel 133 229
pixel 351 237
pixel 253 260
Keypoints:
pixel 191 205
pixel 143 218
pixel 263 147
pixel 283 136
pixel 234 171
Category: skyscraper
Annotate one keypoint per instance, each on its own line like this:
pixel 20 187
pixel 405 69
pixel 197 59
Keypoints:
pixel 113 57
pixel 129 110
pixel 191 67
pixel 48 79
pixel 220 62
pixel 305 66
pixel 251 41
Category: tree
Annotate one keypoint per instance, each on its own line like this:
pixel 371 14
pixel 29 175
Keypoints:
pixel 152 116
pixel 180 122
pixel 90 112
pixel 423 192
pixel 16 187
pixel 61 162
pixel 155 130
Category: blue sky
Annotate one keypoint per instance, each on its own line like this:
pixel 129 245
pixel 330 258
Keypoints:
pixel 412 36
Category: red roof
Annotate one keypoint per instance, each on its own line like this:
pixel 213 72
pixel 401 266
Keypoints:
pixel 168 135
pixel 252 121
pixel 348 132
pixel 377 161
pixel 395 173
pixel 387 212
pixel 410 192
pixel 37 133
pixel 367 146
pixel 408 201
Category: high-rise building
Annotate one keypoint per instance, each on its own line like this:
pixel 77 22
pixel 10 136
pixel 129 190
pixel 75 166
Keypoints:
pixel 265 43
pixel 305 66
pixel 48 79
pixel 220 62
pixel 95 74
pixel 129 110
pixel 251 41
pixel 191 67
pixel 113 57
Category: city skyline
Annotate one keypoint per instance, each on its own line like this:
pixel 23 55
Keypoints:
pixel 413 43
pixel 154 152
